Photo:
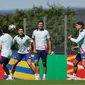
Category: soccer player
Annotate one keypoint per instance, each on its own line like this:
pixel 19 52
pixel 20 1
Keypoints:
pixel 5 49
pixel 81 46
pixel 23 42
pixel 40 37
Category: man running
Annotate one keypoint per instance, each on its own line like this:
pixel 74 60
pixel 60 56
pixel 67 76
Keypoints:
pixel 81 47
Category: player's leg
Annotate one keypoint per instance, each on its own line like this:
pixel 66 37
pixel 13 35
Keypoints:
pixel 36 60
pixel 29 62
pixel 44 69
pixel 75 69
pixel 18 58
pixel 75 65
pixel 14 66
pixel 83 59
pixel 44 61
pixel 83 63
pixel 6 61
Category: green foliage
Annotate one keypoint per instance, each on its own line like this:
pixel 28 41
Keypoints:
pixel 54 21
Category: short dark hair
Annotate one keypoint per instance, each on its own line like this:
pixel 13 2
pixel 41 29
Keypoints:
pixel 1 32
pixel 80 23
pixel 5 29
pixel 20 28
pixel 41 21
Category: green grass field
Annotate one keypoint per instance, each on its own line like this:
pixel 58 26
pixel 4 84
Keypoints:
pixel 48 82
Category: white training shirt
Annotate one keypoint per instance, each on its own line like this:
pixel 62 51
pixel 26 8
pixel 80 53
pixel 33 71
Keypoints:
pixel 6 42
pixel 40 38
pixel 80 40
pixel 23 43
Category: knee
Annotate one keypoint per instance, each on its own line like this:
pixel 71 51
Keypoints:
pixel 29 63
pixel 36 63
pixel 4 65
pixel 44 64
pixel 14 64
pixel 74 64
pixel 83 65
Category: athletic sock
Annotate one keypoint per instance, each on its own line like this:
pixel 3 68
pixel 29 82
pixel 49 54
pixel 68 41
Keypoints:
pixel 37 76
pixel 10 76
pixel 44 75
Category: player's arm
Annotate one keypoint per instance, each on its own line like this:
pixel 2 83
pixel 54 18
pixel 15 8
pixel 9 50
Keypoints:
pixel 49 43
pixel 14 40
pixel 34 43
pixel 0 45
pixel 74 48
pixel 31 41
pixel 34 46
pixel 0 48
pixel 80 37
pixel 14 43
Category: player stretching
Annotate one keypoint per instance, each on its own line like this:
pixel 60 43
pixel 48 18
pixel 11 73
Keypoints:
pixel 5 49
pixel 81 47
pixel 23 42
pixel 40 36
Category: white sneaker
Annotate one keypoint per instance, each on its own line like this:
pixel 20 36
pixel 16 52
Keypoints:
pixel 37 77
pixel 9 78
pixel 44 78
pixel 74 78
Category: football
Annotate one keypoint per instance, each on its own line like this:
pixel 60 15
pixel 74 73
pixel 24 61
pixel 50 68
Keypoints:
pixel 12 27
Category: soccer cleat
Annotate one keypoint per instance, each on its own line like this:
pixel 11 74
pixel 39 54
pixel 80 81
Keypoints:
pixel 10 78
pixel 37 78
pixel 44 79
pixel 73 78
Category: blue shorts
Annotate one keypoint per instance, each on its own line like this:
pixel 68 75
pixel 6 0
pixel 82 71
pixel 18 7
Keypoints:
pixel 19 56
pixel 83 56
pixel 41 54
pixel 78 57
pixel 4 60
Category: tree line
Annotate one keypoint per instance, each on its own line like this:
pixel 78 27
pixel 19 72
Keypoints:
pixel 54 21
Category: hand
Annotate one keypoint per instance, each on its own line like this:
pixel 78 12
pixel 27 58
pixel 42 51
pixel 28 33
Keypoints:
pixel 69 37
pixel 34 50
pixel 74 48
pixel 30 48
pixel 49 51
pixel 52 52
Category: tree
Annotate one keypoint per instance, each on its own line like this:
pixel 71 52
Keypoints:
pixel 54 21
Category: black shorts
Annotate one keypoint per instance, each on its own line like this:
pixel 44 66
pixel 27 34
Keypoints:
pixel 78 57
pixel 41 54
pixel 4 60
